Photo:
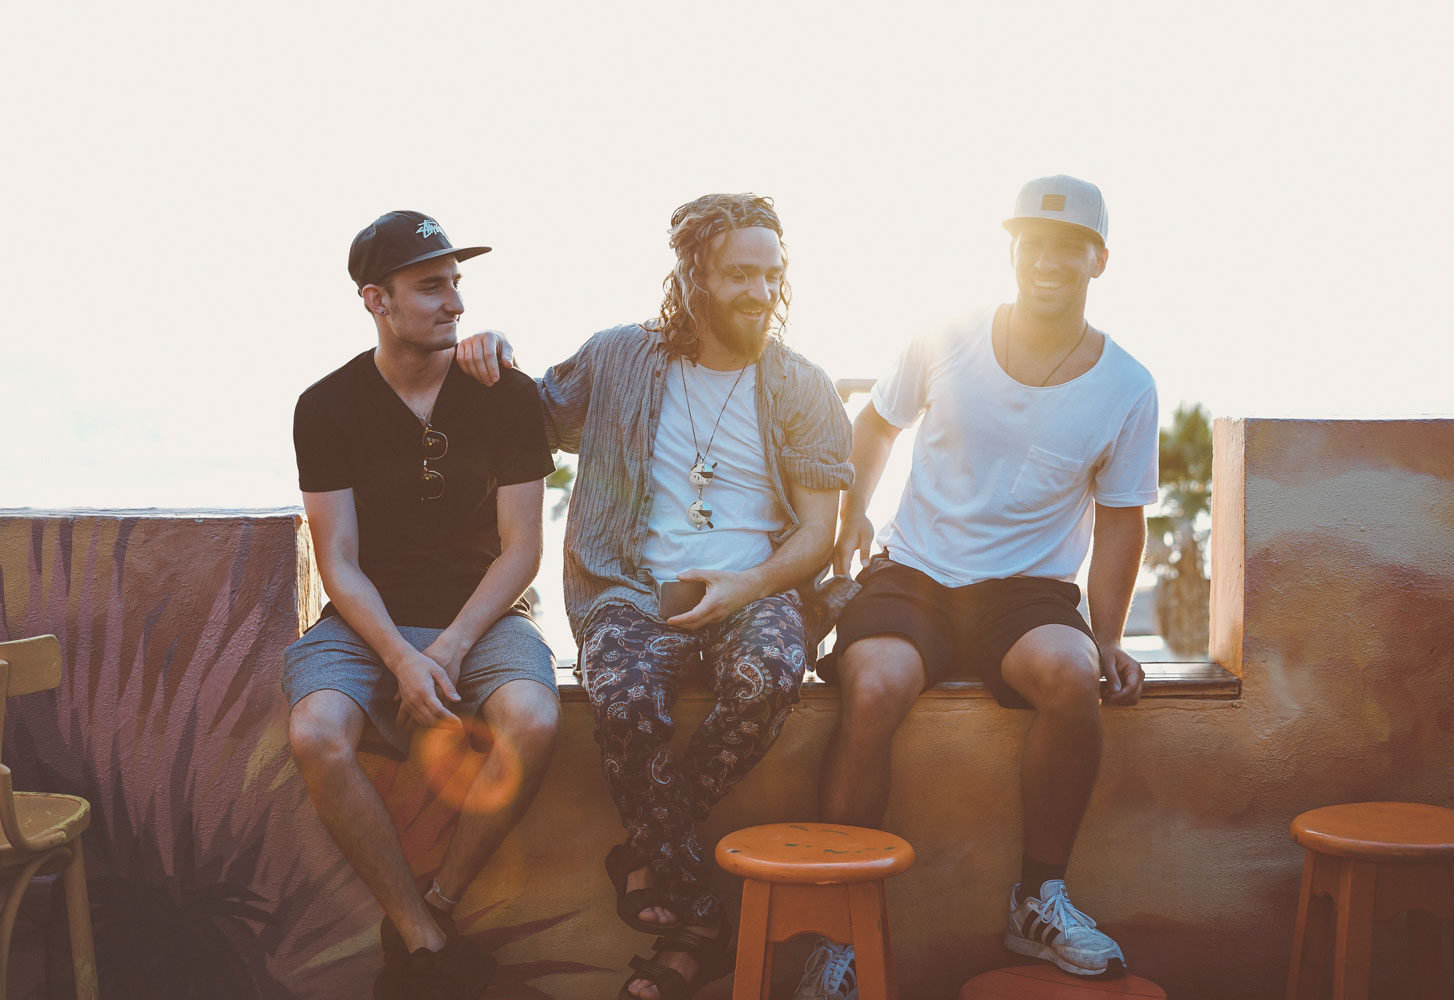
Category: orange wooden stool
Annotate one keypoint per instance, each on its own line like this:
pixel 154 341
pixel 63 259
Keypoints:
pixel 1046 982
pixel 1375 860
pixel 814 878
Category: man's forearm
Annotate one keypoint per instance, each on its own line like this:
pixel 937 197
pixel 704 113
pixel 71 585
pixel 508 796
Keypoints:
pixel 1120 540
pixel 503 583
pixel 805 552
pixel 359 603
pixel 873 440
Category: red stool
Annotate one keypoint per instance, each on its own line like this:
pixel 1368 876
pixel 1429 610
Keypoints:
pixel 1375 860
pixel 1046 982
pixel 814 878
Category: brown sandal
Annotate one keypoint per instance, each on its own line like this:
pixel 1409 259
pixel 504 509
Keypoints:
pixel 715 958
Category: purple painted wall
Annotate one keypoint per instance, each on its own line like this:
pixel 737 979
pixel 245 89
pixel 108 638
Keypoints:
pixel 1333 599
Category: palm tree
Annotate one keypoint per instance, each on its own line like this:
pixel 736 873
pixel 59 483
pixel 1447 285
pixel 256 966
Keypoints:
pixel 563 479
pixel 1175 547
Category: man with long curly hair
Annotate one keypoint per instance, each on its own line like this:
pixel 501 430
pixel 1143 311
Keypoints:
pixel 711 458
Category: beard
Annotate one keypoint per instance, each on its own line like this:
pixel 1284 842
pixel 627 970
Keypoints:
pixel 739 333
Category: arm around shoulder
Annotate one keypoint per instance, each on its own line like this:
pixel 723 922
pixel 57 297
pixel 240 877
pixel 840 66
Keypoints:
pixel 565 390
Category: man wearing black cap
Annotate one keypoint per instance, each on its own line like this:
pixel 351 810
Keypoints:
pixel 423 492
pixel 1038 434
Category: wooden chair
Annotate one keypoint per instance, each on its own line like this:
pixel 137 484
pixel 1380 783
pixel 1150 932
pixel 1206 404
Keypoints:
pixel 1375 860
pixel 41 830
pixel 818 878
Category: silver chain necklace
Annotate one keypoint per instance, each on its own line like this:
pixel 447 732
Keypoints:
pixel 699 514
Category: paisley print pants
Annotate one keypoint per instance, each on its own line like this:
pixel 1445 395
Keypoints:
pixel 634 667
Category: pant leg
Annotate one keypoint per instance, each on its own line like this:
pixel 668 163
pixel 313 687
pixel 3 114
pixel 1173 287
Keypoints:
pixel 757 658
pixel 632 668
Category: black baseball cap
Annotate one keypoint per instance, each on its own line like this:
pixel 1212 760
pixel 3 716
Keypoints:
pixel 396 240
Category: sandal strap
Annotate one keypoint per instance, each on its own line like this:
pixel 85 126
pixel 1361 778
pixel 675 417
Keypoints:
pixel 668 982
pixel 619 861
pixel 636 900
pixel 687 942
pixel 711 953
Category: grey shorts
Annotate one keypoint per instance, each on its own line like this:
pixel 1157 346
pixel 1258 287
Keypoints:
pixel 332 657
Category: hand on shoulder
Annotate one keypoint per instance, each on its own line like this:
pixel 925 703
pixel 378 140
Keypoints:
pixel 484 356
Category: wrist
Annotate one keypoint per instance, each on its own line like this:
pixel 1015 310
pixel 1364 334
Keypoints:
pixel 395 658
pixel 755 584
pixel 452 643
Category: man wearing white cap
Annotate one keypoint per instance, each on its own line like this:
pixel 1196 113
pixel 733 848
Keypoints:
pixel 1039 435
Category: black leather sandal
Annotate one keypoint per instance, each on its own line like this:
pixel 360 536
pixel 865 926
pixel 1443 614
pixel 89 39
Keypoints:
pixel 619 864
pixel 715 957
pixel 460 972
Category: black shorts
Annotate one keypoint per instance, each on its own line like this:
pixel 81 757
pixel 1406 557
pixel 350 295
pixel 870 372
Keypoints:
pixel 958 631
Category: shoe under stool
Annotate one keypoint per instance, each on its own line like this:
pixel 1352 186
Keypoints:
pixel 814 878
pixel 1374 860
pixel 1046 982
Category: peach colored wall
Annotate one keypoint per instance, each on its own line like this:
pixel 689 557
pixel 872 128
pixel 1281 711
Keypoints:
pixel 1334 599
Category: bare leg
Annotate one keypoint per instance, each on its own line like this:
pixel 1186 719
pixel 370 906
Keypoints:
pixel 1057 669
pixel 881 677
pixel 522 716
pixel 324 730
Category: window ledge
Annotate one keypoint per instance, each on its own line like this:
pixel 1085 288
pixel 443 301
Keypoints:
pixel 1192 681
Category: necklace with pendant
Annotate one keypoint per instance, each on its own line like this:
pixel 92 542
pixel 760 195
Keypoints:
pixel 699 514
pixel 1085 329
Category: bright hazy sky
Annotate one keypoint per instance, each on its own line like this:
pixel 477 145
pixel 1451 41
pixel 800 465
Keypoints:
pixel 182 182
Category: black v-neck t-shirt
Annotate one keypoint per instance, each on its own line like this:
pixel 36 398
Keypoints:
pixel 425 557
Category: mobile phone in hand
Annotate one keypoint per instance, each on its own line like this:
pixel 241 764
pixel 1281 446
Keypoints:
pixel 677 597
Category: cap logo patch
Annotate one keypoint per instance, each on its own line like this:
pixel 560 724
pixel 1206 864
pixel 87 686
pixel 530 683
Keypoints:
pixel 431 228
pixel 1052 203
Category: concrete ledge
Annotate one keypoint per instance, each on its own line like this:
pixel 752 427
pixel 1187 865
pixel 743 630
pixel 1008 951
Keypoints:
pixel 1190 681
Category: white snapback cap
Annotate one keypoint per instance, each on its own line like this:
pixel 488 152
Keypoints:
pixel 1062 199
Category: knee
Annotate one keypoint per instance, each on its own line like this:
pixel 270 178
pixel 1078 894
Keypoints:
pixel 533 723
pixel 762 690
pixel 874 698
pixel 1065 682
pixel 318 743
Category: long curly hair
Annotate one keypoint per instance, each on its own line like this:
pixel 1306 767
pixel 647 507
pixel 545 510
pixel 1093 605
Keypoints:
pixel 693 227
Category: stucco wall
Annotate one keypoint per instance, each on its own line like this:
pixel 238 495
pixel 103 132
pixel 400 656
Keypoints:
pixel 1334 599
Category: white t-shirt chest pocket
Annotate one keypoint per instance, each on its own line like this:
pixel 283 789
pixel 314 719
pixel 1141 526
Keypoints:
pixel 1045 479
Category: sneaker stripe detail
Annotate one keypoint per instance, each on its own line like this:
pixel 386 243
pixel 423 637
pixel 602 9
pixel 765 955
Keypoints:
pixel 1041 930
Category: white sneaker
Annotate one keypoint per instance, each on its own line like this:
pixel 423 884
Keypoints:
pixel 1050 928
pixel 829 974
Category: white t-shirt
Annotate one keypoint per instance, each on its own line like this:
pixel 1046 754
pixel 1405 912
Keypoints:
pixel 745 509
pixel 1004 475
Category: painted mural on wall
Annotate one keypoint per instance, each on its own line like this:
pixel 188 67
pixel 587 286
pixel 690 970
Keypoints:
pixel 210 879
